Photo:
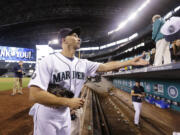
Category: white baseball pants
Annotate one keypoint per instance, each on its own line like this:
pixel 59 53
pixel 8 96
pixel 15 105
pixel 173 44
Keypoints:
pixel 137 108
pixel 49 121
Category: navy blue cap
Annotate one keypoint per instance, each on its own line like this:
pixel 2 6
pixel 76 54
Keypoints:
pixel 138 80
pixel 68 31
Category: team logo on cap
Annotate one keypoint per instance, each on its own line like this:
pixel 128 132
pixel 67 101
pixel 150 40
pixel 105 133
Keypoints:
pixel 171 29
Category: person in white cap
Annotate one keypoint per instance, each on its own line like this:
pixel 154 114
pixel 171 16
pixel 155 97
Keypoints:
pixel 162 46
pixel 171 29
pixel 171 32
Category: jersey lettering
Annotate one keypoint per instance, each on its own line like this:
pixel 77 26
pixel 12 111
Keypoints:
pixel 67 75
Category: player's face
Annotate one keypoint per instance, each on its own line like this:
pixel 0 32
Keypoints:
pixel 20 63
pixel 137 84
pixel 73 40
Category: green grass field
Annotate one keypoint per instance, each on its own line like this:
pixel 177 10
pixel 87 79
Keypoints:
pixel 7 83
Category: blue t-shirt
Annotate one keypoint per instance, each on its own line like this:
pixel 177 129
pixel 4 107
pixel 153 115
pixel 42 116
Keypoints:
pixel 16 73
pixel 137 90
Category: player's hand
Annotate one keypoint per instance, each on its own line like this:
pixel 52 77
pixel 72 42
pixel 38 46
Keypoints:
pixel 138 61
pixel 75 103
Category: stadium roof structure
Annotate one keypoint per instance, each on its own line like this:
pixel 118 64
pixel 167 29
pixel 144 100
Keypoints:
pixel 27 23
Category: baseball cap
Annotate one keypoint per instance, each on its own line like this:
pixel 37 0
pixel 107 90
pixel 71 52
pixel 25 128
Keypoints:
pixel 68 31
pixel 171 29
pixel 63 32
pixel 138 80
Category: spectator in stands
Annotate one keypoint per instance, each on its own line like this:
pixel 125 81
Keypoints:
pixel 151 60
pixel 171 32
pixel 162 46
pixel 176 49
pixel 146 55
pixel 137 94
pixel 18 73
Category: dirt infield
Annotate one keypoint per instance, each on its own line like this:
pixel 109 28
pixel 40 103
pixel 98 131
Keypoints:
pixel 14 118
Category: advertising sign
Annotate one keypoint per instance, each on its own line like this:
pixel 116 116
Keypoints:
pixel 158 88
pixel 17 54
pixel 148 87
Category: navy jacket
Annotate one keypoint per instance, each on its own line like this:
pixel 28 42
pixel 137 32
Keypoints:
pixel 16 73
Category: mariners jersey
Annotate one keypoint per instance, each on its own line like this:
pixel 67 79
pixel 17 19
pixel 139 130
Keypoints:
pixel 57 69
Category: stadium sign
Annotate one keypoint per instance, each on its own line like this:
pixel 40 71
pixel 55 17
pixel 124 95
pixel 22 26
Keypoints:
pixel 172 91
pixel 17 54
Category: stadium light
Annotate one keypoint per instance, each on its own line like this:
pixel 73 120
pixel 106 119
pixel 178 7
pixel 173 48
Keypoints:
pixel 143 5
pixel 94 48
pixel 131 17
pixel 110 32
pixel 83 49
pixel 122 24
pixel 129 50
pixel 88 49
pixel 55 41
pixel 102 47
pixel 168 15
pixel 122 41
pixel 133 36
pixel 139 45
pixel 176 9
pixel 111 44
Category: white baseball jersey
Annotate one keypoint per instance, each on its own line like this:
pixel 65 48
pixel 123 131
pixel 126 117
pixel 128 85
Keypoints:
pixel 57 69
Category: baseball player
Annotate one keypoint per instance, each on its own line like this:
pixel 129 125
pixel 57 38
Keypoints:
pixel 51 113
pixel 137 95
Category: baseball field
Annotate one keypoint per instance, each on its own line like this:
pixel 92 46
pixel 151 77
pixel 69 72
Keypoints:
pixel 7 83
pixel 14 109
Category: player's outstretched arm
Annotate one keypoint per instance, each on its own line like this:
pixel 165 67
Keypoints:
pixel 116 64
pixel 37 95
